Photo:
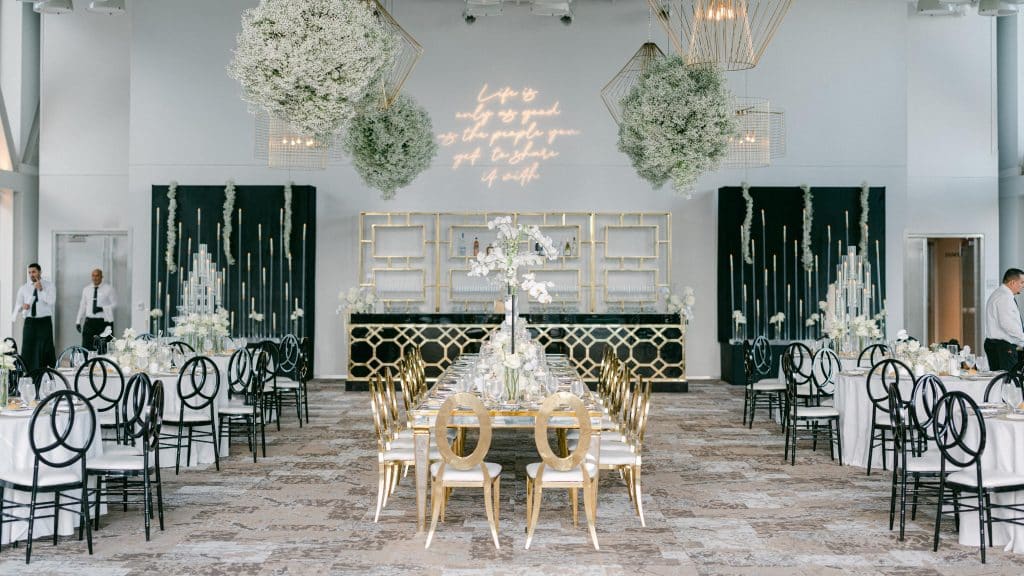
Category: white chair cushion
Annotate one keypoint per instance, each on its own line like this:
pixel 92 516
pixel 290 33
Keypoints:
pixel 768 386
pixel 235 408
pixel 47 476
pixel 283 384
pixel 990 478
pixel 116 462
pixel 618 457
pixel 472 475
pixel 607 443
pixel 403 454
pixel 552 475
pixel 816 412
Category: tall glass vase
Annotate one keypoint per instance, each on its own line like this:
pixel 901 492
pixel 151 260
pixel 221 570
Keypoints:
pixel 510 317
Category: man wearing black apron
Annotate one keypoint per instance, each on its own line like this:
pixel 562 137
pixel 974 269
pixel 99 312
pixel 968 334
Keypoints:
pixel 1004 330
pixel 96 310
pixel 35 302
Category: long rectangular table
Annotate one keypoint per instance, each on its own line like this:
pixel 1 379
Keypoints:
pixel 523 416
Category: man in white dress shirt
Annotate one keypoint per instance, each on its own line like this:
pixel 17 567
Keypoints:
pixel 96 310
pixel 35 302
pixel 1004 330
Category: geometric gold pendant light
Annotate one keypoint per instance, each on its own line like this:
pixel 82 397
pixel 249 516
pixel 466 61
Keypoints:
pixel 623 82
pixel 732 34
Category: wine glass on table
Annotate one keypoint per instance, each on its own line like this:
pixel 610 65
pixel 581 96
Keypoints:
pixel 27 388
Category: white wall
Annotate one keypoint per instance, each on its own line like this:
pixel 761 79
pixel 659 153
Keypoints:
pixel 850 75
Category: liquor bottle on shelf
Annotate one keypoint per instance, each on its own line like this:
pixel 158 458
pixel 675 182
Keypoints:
pixel 536 248
pixel 567 249
pixel 462 244
pixel 575 247
pixel 476 246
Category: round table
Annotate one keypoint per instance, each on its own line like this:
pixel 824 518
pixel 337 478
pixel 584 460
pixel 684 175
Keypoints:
pixel 16 453
pixel 1004 452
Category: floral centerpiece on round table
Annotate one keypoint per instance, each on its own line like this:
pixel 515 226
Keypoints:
pixel 204 332
pixel 6 365
pixel 134 354
pixel 507 256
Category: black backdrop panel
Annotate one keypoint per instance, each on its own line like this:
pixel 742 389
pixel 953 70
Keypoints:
pixel 784 207
pixel 260 205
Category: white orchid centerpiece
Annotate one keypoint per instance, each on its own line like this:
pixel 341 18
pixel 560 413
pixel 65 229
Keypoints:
pixel 156 313
pixel 134 354
pixel 256 316
pixel 506 257
pixel 203 331
pixel 298 313
pixel 777 320
pixel 6 357
pixel 681 304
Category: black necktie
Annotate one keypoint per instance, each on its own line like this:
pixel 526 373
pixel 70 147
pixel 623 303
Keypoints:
pixel 95 309
pixel 35 298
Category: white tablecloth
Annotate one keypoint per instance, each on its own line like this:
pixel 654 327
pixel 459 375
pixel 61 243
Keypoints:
pixel 855 407
pixel 16 453
pixel 1004 451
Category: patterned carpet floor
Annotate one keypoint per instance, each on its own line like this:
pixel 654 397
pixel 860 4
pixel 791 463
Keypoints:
pixel 718 500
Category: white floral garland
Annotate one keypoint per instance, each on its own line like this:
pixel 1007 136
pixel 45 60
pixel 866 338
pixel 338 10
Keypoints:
pixel 229 208
pixel 865 193
pixel 172 233
pixel 808 254
pixel 287 233
pixel 747 221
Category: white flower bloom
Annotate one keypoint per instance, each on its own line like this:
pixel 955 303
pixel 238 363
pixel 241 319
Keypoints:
pixel 106 332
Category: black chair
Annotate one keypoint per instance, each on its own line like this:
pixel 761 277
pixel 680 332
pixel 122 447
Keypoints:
pixel 825 369
pixel 145 336
pixel 801 361
pixel 960 434
pixel 912 432
pixel 55 449
pixel 101 381
pixel 873 353
pixel 810 417
pixel 183 348
pixel 881 379
pixel 15 375
pixel 72 357
pixel 762 388
pixel 996 385
pixel 135 471
pixel 289 386
pixel 244 412
pixel 46 376
pixel 198 384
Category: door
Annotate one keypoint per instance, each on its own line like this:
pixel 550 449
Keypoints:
pixel 942 289
pixel 77 254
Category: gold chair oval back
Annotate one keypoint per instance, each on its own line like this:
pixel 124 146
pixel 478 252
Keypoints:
pixel 468 471
pixel 573 471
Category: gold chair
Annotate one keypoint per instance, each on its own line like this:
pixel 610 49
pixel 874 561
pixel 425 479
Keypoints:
pixel 454 471
pixel 574 472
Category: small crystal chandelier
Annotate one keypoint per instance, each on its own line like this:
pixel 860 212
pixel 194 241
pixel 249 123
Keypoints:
pixel 760 135
pixel 732 34
pixel 623 82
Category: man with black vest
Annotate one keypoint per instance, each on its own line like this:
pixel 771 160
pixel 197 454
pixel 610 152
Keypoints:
pixel 96 310
pixel 34 302
pixel 1004 330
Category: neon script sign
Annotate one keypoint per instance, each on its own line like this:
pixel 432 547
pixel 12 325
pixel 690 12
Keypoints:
pixel 509 134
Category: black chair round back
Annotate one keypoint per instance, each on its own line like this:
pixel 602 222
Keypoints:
pixel 72 357
pixel 101 381
pixel 53 423
pixel 50 376
pixel 142 410
pixel 824 342
pixel 761 356
pixel 825 368
pixel 182 347
pixel 801 362
pixel 239 374
pixel 16 374
pixel 259 375
pixel 198 383
pixel 288 356
pixel 959 430
pixel 883 377
pixel 921 408
pixel 145 336
pixel 873 354
pixel 995 385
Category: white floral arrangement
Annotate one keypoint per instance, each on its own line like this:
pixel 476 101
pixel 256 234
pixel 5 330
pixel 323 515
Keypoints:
pixel 356 300
pixel 287 225
pixel 391 147
pixel 865 195
pixel 506 258
pixel 777 320
pixel 935 358
pixel 172 228
pixel 864 327
pixel 681 304
pixel 676 123
pixel 196 328
pixel 156 313
pixel 748 220
pixel 812 320
pixel 229 208
pixel 311 62
pixel 808 250
pixel 6 358
pixel 135 354
pixel 738 317
pixel 256 316
pixel 297 313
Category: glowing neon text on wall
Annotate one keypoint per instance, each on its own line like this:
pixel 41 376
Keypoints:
pixel 508 135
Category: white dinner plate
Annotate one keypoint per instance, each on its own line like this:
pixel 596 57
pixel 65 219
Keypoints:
pixel 1014 416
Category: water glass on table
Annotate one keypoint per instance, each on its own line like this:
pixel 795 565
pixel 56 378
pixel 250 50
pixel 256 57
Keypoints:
pixel 27 388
